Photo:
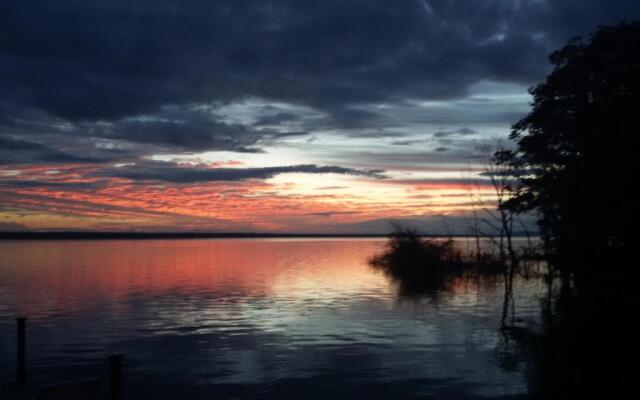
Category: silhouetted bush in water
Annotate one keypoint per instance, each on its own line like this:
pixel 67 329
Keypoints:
pixel 407 254
pixel 420 264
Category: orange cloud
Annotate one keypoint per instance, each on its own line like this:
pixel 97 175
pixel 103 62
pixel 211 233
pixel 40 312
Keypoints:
pixel 71 196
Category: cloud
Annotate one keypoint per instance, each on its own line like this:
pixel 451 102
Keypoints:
pixel 171 129
pixel 119 82
pixel 43 184
pixel 329 214
pixel 276 119
pixel 147 75
pixel 110 60
pixel 461 131
pixel 409 142
pixel 15 151
pixel 169 172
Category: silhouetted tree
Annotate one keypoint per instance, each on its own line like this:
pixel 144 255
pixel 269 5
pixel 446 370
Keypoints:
pixel 576 153
pixel 577 149
pixel 500 221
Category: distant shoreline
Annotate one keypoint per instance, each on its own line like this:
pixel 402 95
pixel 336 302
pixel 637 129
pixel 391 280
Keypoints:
pixel 197 235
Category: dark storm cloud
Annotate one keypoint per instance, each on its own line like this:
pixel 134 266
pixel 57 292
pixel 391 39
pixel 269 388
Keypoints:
pixel 111 59
pixel 173 129
pixel 169 172
pixel 135 71
pixel 34 183
pixel 276 119
pixel 13 151
pixel 183 130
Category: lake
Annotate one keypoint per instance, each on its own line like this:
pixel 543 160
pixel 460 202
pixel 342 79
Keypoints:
pixel 253 319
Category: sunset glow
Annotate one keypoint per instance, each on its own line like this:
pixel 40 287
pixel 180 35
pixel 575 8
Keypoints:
pixel 69 196
pixel 268 117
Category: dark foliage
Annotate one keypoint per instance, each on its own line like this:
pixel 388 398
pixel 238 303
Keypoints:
pixel 578 148
pixel 576 151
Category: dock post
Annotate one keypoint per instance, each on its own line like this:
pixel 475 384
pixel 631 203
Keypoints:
pixel 115 376
pixel 21 365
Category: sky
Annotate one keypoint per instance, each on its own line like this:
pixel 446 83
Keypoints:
pixel 267 116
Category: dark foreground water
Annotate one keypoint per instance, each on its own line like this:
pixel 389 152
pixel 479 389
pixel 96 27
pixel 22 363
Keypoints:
pixel 252 319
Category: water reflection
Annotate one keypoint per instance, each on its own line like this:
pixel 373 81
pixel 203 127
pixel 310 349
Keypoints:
pixel 250 318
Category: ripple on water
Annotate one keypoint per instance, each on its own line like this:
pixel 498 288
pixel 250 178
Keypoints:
pixel 240 317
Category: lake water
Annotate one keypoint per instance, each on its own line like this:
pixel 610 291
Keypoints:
pixel 252 319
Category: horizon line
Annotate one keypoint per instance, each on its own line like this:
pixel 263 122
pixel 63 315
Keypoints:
pixel 27 235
